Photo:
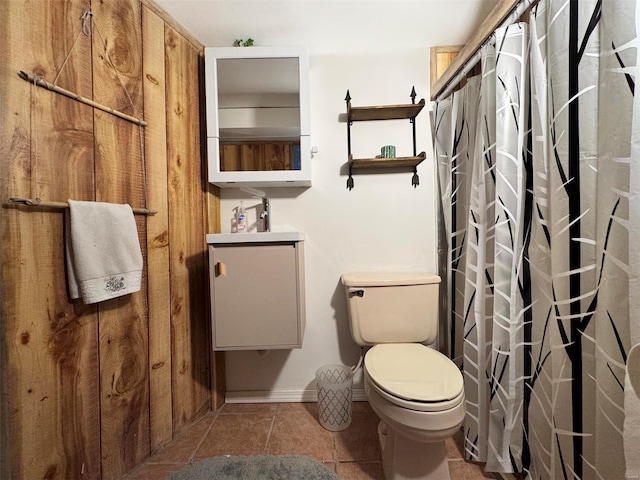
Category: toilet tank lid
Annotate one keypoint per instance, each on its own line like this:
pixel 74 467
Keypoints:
pixel 384 279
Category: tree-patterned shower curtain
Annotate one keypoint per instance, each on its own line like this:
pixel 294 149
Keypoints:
pixel 539 165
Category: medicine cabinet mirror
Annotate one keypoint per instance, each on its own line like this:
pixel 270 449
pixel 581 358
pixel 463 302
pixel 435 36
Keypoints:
pixel 258 116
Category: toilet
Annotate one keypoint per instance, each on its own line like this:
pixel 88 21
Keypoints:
pixel 416 391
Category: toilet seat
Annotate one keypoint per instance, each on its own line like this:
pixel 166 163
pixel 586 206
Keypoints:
pixel 414 376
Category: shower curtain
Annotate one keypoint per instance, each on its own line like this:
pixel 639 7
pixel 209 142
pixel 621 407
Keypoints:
pixel 539 173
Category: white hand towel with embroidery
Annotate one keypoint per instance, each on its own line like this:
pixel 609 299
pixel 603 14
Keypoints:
pixel 104 260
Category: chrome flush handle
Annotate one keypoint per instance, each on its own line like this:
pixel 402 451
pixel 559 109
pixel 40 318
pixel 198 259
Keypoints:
pixel 356 293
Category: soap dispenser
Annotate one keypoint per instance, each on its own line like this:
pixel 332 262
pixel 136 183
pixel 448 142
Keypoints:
pixel 241 221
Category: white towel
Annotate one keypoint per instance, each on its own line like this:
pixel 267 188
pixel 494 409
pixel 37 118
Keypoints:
pixel 104 260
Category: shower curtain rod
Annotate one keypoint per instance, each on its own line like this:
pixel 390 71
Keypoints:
pixel 505 13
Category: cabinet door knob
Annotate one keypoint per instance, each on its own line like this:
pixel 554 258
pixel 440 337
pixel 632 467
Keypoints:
pixel 221 269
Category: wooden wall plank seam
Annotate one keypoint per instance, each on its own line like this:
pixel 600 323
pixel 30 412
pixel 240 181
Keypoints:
pixel 157 231
pixel 190 348
pixel 123 332
pixel 170 22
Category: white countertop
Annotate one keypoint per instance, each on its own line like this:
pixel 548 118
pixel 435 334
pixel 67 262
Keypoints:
pixel 254 237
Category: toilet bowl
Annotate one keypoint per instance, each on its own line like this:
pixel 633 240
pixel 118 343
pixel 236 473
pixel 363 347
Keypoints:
pixel 416 391
pixel 418 395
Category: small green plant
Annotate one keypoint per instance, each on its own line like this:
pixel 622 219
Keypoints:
pixel 239 42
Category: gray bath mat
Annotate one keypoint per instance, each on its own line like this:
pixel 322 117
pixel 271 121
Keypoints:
pixel 258 467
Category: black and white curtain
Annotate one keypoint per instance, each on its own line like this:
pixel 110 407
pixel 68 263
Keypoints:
pixel 539 170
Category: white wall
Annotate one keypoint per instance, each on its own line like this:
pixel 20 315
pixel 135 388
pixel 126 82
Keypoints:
pixel 378 49
pixel 330 26
pixel 382 224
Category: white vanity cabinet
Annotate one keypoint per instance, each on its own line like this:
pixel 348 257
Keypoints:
pixel 258 122
pixel 257 291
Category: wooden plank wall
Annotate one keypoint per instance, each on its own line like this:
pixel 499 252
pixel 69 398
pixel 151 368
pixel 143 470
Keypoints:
pixel 89 391
pixel 440 59
pixel 480 35
pixel 188 266
pixel 257 156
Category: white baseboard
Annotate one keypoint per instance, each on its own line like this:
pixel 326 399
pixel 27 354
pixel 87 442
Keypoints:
pixel 283 396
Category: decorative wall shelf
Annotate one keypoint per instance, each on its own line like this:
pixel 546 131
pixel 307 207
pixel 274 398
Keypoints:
pixel 395 162
pixel 407 111
pixel 384 112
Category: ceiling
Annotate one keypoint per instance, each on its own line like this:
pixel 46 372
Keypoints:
pixel 331 26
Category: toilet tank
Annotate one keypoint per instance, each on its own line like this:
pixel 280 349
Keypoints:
pixel 392 307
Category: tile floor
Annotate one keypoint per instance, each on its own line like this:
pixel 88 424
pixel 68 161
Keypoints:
pixel 288 429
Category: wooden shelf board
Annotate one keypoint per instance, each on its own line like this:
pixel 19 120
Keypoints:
pixel 385 112
pixel 357 163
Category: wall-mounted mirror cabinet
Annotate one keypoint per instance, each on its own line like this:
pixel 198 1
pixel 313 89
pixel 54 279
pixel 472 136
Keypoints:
pixel 258 116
